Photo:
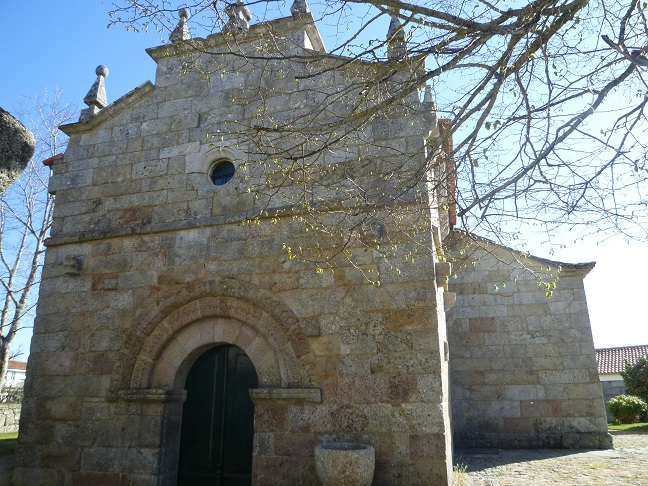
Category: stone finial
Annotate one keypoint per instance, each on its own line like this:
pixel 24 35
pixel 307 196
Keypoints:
pixel 181 32
pixel 96 97
pixel 299 7
pixel 427 96
pixel 239 17
pixel 396 46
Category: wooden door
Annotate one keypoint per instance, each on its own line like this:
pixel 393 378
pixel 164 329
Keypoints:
pixel 218 420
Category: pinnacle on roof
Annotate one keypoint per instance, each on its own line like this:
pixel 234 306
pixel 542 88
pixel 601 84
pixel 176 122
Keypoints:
pixel 96 97
pixel 427 96
pixel 239 17
pixel 396 46
pixel 299 7
pixel 181 32
pixel 428 102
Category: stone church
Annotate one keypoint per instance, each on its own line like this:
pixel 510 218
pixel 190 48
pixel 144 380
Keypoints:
pixel 179 341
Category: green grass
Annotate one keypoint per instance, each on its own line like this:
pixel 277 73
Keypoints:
pixel 8 443
pixel 642 427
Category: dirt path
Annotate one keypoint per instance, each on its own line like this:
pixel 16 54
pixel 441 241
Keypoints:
pixel 626 464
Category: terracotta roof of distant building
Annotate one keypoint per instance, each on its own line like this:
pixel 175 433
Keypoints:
pixel 613 360
pixel 16 365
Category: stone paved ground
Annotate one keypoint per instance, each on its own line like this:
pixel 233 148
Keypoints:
pixel 626 464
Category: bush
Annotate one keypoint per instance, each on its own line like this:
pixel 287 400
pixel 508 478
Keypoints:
pixel 11 394
pixel 626 408
pixel 636 378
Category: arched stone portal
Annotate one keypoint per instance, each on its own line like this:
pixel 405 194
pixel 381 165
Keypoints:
pixel 167 345
pixel 178 327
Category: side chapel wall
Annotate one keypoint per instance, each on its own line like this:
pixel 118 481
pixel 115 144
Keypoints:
pixel 522 365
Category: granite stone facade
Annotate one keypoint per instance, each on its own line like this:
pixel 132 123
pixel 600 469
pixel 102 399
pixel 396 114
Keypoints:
pixel 150 264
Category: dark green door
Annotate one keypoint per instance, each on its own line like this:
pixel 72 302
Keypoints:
pixel 218 420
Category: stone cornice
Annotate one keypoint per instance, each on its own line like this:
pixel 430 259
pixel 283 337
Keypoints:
pixel 147 395
pixel 240 218
pixel 257 31
pixel 109 111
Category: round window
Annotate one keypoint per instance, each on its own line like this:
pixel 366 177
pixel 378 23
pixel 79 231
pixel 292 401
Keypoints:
pixel 222 173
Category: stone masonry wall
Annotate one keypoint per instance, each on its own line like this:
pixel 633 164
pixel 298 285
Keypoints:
pixel 150 264
pixel 522 365
pixel 9 417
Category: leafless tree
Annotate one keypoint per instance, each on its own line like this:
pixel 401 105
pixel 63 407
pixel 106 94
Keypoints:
pixel 545 99
pixel 25 218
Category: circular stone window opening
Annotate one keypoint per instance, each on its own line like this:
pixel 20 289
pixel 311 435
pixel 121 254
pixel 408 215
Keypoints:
pixel 222 172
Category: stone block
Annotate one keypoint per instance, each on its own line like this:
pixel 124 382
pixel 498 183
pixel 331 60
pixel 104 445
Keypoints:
pixel 523 392
pixel 511 364
pixel 61 363
pixel 487 392
pixel 572 391
pixel 101 479
pixel 336 388
pixel 42 476
pixel 137 279
pixel 482 324
pixel 427 446
pixel 423 418
pixel 509 377
pixel 118 459
pixel 563 376
pixel 580 408
pixel 270 417
pixel 149 168
pixel 295 444
pixel 283 471
pixel 540 408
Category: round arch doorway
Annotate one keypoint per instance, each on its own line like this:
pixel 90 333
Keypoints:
pixel 218 420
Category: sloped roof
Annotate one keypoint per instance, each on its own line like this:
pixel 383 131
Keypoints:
pixel 613 360
pixel 16 365
pixel 457 235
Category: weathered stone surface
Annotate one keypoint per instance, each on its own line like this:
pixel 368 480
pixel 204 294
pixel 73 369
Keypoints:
pixel 171 267
pixel 522 364
pixel 345 464
pixel 17 145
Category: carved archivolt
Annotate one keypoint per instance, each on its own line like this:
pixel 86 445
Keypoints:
pixel 184 324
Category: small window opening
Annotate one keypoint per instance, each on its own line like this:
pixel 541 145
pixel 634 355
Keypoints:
pixel 222 173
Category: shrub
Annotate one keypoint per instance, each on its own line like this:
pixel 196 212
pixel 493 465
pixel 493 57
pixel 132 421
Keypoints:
pixel 636 378
pixel 626 408
pixel 11 394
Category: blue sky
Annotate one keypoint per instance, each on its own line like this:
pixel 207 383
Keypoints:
pixel 50 44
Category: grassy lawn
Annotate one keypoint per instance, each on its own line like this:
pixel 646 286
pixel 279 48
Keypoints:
pixel 641 427
pixel 8 443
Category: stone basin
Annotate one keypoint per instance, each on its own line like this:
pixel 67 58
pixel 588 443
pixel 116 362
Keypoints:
pixel 345 464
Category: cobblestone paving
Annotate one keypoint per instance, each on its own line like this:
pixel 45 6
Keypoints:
pixel 626 464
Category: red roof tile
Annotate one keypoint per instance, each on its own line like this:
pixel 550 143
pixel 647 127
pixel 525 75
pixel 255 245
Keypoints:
pixel 16 365
pixel 613 360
